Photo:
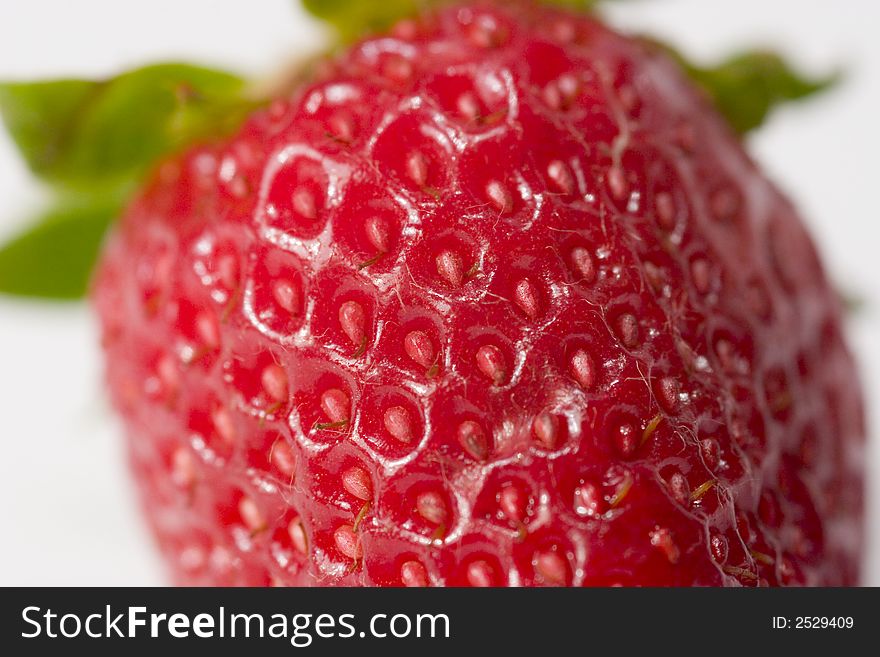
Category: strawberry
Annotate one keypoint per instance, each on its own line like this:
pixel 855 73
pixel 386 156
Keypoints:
pixel 495 299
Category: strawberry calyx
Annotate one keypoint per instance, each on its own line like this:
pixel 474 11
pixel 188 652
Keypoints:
pixel 747 86
pixel 93 141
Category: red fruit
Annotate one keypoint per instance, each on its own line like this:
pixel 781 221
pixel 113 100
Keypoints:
pixel 498 300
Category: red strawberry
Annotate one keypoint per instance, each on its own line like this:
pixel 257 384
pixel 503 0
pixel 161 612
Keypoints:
pixel 498 299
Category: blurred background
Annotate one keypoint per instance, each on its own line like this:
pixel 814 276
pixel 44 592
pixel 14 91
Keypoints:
pixel 67 512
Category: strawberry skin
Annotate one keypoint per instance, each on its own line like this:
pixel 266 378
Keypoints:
pixel 497 299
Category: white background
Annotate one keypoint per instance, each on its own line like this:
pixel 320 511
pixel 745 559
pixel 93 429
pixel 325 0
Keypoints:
pixel 67 514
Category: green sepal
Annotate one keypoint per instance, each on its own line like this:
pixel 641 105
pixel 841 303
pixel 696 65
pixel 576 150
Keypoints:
pixel 55 256
pixel 582 5
pixel 92 142
pixel 86 134
pixel 747 87
pixel 355 19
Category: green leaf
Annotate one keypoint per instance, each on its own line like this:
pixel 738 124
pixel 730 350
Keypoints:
pixel 93 141
pixel 83 134
pixel 54 258
pixel 583 5
pixel 748 86
pixel 853 302
pixel 36 114
pixel 354 19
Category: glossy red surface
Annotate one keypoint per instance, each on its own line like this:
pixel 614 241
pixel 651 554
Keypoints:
pixel 497 299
